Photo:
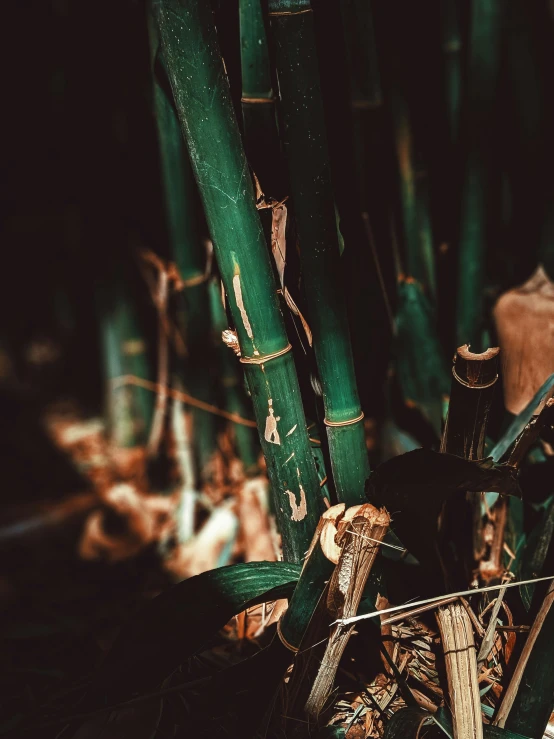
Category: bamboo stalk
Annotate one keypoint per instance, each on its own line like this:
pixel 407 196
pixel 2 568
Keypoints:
pixel 461 670
pixel 305 144
pixel 418 236
pixel 420 367
pixel 452 51
pixel 258 102
pixel 236 402
pixel 473 380
pixel 484 60
pixel 189 254
pixel 358 538
pixel 317 569
pixel 201 93
pixel 125 351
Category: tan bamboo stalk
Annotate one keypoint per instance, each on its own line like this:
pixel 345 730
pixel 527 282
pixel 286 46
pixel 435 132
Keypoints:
pixel 461 670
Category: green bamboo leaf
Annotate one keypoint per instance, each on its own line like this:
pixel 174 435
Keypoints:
pixel 407 722
pixel 417 484
pixel 180 622
pixel 521 420
pixel 535 553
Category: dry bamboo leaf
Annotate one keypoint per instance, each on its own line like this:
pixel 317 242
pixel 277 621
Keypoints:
pixel 254 521
pixel 524 318
pixel 461 670
pixel 278 240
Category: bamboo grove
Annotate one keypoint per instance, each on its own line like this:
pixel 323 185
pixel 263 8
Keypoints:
pixel 336 414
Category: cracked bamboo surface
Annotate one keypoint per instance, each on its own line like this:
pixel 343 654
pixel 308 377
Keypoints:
pixel 461 669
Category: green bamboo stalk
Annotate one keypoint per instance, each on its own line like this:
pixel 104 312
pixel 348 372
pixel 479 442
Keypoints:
pixel 484 60
pixel 258 101
pixel 204 106
pixel 362 53
pixel 130 409
pixel 418 237
pixel 193 307
pixel 246 440
pixel 452 51
pixel 306 152
pixel 420 367
pixel 316 571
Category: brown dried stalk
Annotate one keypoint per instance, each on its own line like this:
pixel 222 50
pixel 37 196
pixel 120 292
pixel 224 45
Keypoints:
pixel 513 687
pixel 461 670
pixel 254 521
pixel 473 380
pixel 358 537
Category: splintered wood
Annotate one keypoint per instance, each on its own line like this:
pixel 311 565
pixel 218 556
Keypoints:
pixel 461 670
pixel 359 534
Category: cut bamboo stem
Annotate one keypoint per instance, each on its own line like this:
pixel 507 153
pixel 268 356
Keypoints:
pixel 201 92
pixel 461 670
pixel 358 536
pixel 473 379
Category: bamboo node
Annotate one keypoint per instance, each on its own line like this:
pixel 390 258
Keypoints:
pixel 283 640
pixel 474 386
pixel 335 424
pixel 266 357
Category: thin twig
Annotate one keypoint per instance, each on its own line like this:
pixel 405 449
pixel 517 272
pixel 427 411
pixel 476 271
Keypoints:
pixel 437 599
pixel 185 397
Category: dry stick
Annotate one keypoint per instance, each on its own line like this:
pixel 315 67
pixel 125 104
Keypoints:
pixel 513 687
pixel 185 397
pixel 438 600
pixel 461 670
pixel 345 591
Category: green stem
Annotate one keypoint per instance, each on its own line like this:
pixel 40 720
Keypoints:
pixel 452 51
pixel 193 308
pixel 246 440
pixel 418 237
pixel 201 93
pixel 125 352
pixel 484 60
pixel 258 102
pixel 306 152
